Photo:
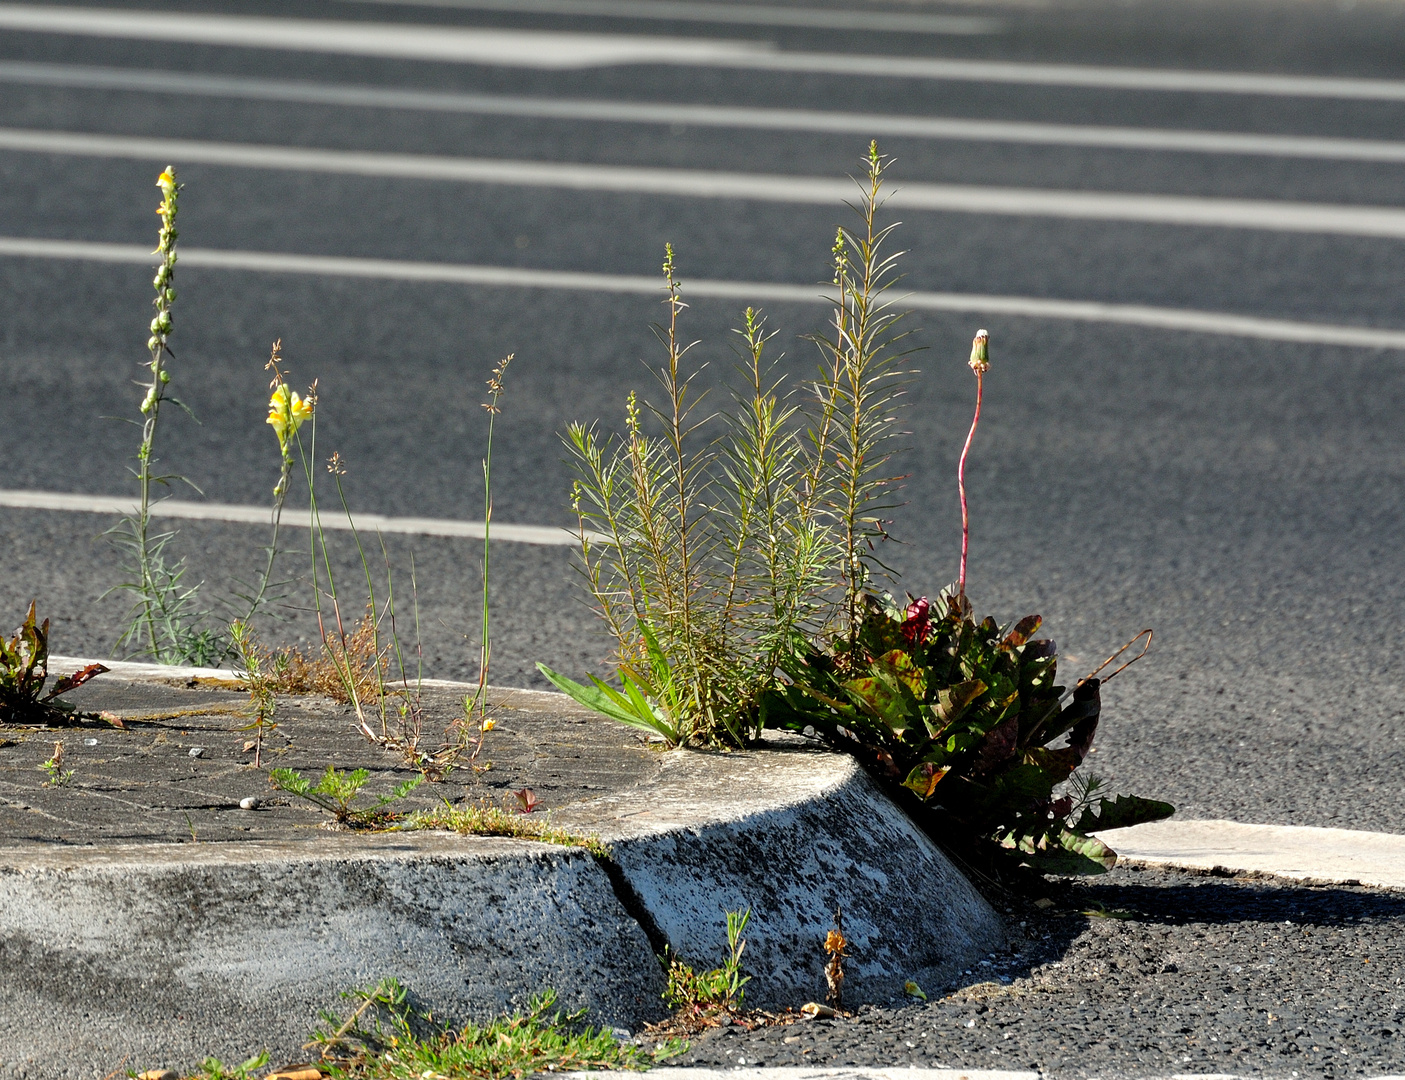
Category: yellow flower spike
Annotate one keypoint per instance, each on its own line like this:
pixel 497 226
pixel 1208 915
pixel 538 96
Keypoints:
pixel 287 411
pixel 300 410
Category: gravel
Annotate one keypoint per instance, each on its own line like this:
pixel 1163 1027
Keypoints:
pixel 1141 973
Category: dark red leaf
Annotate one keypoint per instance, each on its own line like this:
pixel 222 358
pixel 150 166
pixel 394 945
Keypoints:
pixel 77 679
pixel 998 746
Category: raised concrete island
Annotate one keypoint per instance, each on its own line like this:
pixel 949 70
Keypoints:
pixel 145 918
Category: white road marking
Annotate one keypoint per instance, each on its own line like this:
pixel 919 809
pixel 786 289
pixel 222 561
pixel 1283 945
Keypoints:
pixel 729 13
pixel 640 112
pixel 1087 76
pixel 546 49
pixel 452 44
pixel 1291 851
pixel 1176 319
pixel 261 515
pixel 814 1072
pixel 1382 222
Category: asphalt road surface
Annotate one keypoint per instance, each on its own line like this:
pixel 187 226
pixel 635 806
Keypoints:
pixel 1235 485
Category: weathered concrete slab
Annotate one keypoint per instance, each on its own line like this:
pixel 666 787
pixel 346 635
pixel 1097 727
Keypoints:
pixel 791 834
pixel 140 784
pixel 161 952
pixel 1304 853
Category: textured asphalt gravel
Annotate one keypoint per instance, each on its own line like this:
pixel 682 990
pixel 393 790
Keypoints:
pixel 1144 973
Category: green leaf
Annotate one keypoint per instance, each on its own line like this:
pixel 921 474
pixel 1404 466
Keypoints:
pixel 952 702
pixel 608 701
pixel 924 778
pixel 663 674
pixel 1067 853
pixel 1023 631
pixel 1123 811
pixel 1014 789
pixel 886 698
pixel 290 781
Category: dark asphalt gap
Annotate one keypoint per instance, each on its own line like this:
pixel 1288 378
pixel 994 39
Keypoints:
pixel 1240 496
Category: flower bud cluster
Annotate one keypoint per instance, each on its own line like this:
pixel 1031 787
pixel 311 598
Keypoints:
pixel 163 284
pixel 980 353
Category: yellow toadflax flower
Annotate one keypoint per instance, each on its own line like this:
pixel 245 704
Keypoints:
pixel 287 410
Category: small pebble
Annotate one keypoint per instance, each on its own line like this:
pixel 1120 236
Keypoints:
pixel 159 1074
pixel 90 742
pixel 197 751
pixel 251 803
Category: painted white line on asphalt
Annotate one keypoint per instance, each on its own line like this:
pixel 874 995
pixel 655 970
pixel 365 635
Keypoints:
pixel 465 45
pixel 1381 222
pixel 861 1073
pixel 1290 851
pixel 532 48
pixel 1078 75
pixel 261 515
pixel 528 48
pixel 639 112
pixel 1176 319
pixel 747 1072
pixel 728 13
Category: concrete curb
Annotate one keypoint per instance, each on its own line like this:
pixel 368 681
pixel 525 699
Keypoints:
pixel 792 836
pixel 166 953
pixel 1308 854
pixel 163 953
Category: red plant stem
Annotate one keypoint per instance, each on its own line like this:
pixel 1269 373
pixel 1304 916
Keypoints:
pixel 961 482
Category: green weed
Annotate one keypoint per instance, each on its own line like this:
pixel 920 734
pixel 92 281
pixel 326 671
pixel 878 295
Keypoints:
pixel 24 673
pixel 54 770
pixel 337 792
pixel 730 536
pixel 212 1068
pixel 700 996
pixel 386 1038
pixel 487 820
